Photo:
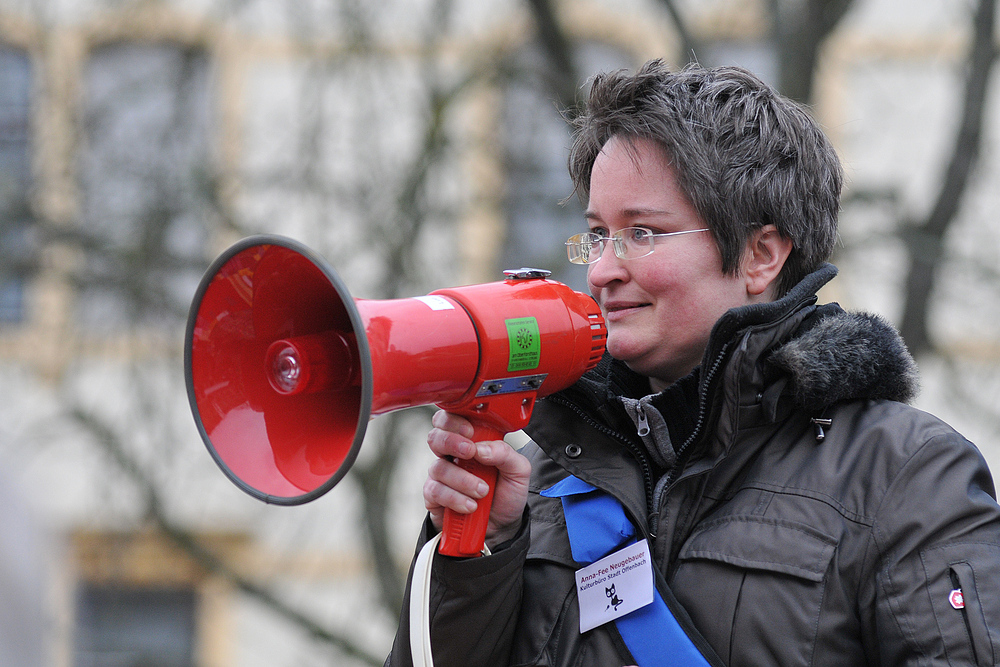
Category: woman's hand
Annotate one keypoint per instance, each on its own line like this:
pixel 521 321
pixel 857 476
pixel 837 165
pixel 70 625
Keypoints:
pixel 449 486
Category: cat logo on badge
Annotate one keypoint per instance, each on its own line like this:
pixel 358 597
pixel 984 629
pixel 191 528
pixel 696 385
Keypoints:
pixel 613 595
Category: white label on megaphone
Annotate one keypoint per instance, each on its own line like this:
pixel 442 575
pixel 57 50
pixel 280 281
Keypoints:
pixel 435 302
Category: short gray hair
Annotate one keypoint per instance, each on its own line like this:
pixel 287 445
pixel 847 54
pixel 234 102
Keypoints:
pixel 745 156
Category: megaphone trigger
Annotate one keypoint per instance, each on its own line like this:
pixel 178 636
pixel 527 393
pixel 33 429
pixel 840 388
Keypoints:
pixel 465 534
pixel 284 368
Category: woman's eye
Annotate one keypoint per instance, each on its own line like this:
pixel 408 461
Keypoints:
pixel 639 234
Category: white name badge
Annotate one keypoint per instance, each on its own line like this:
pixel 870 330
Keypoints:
pixel 615 585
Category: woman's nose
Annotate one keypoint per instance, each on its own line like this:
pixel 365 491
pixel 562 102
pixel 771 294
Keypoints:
pixel 607 269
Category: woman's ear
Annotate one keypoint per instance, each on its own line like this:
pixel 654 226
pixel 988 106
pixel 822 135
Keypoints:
pixel 767 251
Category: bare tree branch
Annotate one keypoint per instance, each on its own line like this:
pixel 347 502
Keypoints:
pixel 113 446
pixel 376 479
pixel 399 250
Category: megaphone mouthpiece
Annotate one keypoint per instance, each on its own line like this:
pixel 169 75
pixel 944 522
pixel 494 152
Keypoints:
pixel 317 362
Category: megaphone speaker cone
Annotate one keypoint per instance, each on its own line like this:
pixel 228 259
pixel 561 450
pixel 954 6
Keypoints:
pixel 276 374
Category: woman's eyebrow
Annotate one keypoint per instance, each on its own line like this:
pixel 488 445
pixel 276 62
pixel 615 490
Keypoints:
pixel 631 213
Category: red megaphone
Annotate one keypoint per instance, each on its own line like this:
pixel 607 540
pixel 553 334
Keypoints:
pixel 284 368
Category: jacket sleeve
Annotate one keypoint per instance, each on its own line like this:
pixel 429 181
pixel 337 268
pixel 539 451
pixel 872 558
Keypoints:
pixel 936 539
pixel 474 606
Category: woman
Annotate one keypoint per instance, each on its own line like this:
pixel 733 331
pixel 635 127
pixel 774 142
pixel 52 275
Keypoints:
pixel 794 509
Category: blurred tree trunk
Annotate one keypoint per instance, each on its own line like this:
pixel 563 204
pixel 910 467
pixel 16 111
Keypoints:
pixel 925 240
pixel 799 31
pixel 557 48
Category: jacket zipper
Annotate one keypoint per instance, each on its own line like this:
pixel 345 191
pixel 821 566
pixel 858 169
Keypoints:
pixel 702 413
pixel 699 426
pixel 640 456
pixel 643 426
pixel 652 499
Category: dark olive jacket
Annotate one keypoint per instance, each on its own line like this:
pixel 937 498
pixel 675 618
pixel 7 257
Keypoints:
pixel 809 517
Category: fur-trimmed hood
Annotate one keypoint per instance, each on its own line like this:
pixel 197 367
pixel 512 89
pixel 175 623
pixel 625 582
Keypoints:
pixel 847 355
pixel 832 355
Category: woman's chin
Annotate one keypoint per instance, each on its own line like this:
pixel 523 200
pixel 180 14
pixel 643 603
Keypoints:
pixel 628 353
pixel 642 362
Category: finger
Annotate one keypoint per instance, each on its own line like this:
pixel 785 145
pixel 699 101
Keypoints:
pixel 440 495
pixel 509 462
pixel 446 443
pixel 456 479
pixel 447 421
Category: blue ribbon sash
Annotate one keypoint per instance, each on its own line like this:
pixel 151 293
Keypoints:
pixel 597 525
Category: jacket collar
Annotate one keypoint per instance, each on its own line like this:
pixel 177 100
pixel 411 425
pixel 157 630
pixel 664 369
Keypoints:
pixel 825 353
pixel 763 361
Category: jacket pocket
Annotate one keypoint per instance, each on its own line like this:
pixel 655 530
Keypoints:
pixel 963 588
pixel 759 543
pixel 740 577
pixel 548 630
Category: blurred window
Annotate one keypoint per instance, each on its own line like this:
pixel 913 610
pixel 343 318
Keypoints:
pixel 145 182
pixel 134 627
pixel 15 181
pixel 536 141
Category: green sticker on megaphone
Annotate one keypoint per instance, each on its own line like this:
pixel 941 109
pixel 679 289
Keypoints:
pixel 525 343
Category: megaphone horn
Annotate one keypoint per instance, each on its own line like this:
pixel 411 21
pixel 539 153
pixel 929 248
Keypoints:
pixel 284 368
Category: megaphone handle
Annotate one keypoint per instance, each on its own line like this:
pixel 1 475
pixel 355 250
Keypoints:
pixel 465 534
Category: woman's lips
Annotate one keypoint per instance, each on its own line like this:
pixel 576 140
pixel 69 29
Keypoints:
pixel 617 311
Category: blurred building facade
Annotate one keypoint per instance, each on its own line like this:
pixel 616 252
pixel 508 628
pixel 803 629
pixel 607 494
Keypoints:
pixel 139 139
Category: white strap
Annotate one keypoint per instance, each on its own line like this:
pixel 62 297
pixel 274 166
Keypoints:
pixel 420 604
pixel 420 599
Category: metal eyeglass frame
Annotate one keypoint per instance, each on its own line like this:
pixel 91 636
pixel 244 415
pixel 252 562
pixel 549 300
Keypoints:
pixel 580 247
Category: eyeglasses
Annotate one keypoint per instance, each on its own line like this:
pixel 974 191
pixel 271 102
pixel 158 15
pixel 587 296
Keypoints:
pixel 629 243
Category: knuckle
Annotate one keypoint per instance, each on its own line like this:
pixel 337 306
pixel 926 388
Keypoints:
pixel 435 471
pixel 434 437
